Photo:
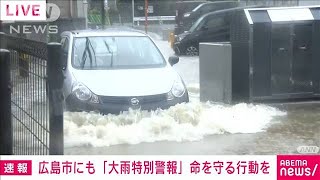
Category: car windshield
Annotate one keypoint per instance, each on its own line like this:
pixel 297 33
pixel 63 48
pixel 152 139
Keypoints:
pixel 198 7
pixel 115 52
pixel 187 7
pixel 197 25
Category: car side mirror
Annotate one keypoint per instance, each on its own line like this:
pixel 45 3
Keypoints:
pixel 173 60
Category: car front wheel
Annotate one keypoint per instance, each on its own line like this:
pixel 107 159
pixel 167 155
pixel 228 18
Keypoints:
pixel 192 51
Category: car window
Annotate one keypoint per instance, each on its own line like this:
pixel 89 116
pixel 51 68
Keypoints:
pixel 215 6
pixel 231 4
pixel 116 52
pixel 189 7
pixel 200 24
pixel 218 21
pixel 197 24
pixel 212 7
pixel 218 6
pixel 206 8
pixel 198 7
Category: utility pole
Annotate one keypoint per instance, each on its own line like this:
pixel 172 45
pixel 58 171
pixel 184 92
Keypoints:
pixel 146 15
pixel 132 12
pixel 1 26
pixel 103 14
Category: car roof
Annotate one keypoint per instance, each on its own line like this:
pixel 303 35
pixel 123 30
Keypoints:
pixel 182 2
pixel 218 2
pixel 230 10
pixel 122 31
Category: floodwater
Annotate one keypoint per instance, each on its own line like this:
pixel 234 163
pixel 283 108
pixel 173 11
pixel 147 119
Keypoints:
pixel 197 127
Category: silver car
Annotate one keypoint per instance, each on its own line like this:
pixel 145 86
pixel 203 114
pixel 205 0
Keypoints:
pixel 113 70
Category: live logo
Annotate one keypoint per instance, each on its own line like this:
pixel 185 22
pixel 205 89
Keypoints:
pixel 23 10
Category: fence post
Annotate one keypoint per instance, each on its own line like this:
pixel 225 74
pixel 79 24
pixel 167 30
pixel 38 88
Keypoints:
pixel 1 26
pixel 3 40
pixel 55 83
pixel 5 104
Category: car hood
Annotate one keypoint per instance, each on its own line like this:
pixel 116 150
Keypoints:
pixel 132 82
pixel 184 37
pixel 184 34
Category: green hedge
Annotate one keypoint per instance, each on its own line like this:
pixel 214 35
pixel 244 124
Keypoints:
pixel 94 17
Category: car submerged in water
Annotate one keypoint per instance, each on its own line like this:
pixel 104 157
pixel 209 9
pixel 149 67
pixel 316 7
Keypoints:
pixel 113 70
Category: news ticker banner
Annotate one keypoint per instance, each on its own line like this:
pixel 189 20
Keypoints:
pixel 281 167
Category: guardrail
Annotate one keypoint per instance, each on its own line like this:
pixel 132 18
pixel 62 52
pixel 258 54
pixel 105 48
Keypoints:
pixel 160 19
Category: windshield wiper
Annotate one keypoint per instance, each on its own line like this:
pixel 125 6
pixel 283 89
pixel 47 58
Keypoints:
pixel 84 56
pixel 111 63
pixel 94 52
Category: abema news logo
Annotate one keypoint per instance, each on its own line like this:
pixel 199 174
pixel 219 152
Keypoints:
pixel 298 167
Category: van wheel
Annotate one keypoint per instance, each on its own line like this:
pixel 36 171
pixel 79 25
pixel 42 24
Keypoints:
pixel 192 51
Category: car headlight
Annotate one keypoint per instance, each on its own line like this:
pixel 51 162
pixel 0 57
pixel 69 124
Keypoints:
pixel 170 96
pixel 180 38
pixel 177 90
pixel 84 94
pixel 81 92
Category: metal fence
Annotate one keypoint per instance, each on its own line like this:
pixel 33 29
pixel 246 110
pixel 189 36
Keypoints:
pixel 29 103
pixel 32 105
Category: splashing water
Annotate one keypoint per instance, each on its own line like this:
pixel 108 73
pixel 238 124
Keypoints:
pixel 183 122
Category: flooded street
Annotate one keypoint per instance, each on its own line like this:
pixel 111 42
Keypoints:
pixel 195 128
